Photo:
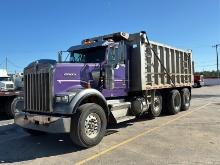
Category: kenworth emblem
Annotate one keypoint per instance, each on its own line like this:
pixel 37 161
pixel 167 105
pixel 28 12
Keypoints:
pixel 69 74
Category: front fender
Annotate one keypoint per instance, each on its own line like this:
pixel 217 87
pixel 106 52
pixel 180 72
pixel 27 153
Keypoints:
pixel 82 95
pixel 79 97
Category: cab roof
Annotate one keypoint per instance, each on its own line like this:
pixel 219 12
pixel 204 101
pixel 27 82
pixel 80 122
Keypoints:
pixel 90 45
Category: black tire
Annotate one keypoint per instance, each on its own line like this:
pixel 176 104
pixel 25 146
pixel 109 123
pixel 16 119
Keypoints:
pixel 185 99
pixel 8 110
pixel 34 132
pixel 16 105
pixel 78 132
pixel 196 85
pixel 173 102
pixel 156 111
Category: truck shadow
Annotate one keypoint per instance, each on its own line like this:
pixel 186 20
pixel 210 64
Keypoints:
pixel 19 146
pixel 203 96
pixel 3 116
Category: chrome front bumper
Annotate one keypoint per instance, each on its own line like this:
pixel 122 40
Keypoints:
pixel 43 123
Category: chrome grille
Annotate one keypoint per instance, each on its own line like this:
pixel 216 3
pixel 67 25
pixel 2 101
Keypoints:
pixel 37 92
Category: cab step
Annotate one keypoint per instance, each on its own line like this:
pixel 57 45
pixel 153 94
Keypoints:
pixel 120 111
pixel 125 118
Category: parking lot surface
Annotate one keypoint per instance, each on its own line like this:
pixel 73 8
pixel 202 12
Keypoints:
pixel 190 137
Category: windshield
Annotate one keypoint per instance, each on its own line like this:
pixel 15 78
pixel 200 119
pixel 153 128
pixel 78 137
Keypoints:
pixel 5 79
pixel 91 55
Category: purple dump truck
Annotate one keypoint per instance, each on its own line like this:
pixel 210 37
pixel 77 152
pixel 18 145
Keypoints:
pixel 107 79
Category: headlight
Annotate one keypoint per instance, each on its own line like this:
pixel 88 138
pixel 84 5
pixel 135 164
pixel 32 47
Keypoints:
pixel 62 99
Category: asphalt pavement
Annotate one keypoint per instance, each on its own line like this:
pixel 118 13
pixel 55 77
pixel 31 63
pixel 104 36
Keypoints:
pixel 190 137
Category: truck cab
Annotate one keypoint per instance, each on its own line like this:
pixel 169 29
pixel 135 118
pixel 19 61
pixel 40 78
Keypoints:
pixel 6 83
pixel 198 81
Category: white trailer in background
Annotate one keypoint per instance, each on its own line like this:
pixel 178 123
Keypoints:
pixel 6 83
pixel 8 94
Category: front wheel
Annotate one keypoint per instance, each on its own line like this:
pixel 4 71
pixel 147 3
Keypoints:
pixel 196 85
pixel 16 106
pixel 88 125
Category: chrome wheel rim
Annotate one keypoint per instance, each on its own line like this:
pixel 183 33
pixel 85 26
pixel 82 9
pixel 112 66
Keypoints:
pixel 156 104
pixel 187 99
pixel 92 125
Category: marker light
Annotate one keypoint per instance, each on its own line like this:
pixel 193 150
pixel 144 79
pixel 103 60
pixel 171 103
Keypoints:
pixel 62 99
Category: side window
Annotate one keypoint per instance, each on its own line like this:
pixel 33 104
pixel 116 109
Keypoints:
pixel 121 54
pixel 116 54
pixel 77 58
pixel 112 55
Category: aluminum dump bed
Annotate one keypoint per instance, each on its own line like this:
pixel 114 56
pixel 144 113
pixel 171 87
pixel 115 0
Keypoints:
pixel 165 67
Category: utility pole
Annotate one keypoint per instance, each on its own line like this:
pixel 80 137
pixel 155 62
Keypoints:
pixel 216 48
pixel 6 63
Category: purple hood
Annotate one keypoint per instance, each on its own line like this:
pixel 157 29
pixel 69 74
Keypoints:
pixel 74 76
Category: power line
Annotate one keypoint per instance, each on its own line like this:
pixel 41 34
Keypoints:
pixel 4 62
pixel 15 65
pixel 7 61
pixel 1 64
pixel 206 65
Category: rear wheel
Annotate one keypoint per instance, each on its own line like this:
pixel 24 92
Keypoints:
pixel 156 110
pixel 185 99
pixel 173 102
pixel 88 125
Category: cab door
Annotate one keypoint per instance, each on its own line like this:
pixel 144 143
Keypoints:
pixel 116 58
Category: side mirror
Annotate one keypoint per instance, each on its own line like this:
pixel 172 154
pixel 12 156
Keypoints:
pixel 116 66
pixel 109 77
pixel 60 56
